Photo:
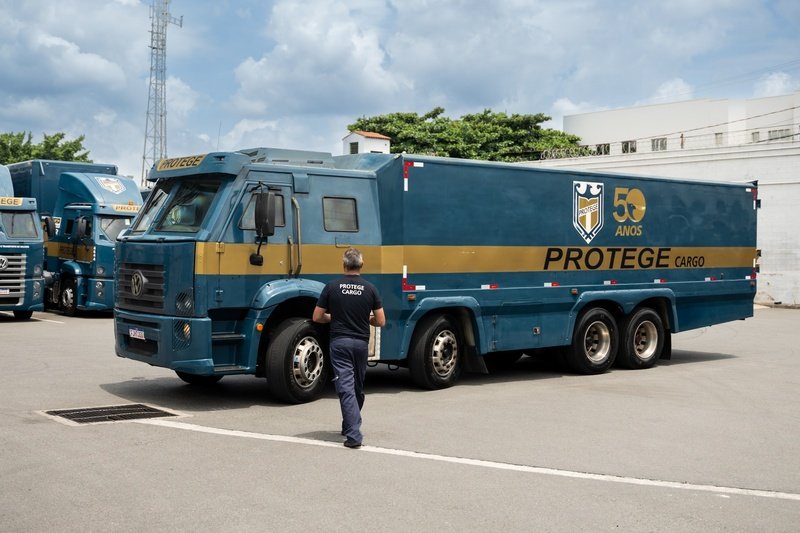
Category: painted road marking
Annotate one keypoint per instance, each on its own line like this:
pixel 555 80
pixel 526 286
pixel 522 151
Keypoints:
pixel 719 490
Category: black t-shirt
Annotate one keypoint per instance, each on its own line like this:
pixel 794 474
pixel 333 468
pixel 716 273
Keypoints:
pixel 349 300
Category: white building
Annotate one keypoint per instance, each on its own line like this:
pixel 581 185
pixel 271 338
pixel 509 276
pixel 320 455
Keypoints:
pixel 719 140
pixel 365 142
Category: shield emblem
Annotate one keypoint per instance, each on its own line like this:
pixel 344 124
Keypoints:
pixel 111 184
pixel 587 209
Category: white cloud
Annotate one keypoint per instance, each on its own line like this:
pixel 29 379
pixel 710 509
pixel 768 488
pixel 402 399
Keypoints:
pixel 775 84
pixel 325 58
pixel 673 90
pixel 565 106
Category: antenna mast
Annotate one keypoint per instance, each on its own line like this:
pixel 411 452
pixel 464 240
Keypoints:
pixel 155 132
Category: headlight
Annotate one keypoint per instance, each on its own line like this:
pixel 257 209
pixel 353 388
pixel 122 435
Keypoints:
pixel 37 270
pixel 101 271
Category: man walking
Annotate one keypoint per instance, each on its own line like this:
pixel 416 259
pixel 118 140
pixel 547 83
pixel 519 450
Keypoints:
pixel 350 304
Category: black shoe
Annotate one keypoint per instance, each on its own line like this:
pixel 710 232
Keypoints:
pixel 352 444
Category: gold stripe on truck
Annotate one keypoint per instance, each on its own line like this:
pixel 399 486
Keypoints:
pixel 234 259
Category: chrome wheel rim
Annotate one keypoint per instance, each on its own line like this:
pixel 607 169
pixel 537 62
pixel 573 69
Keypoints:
pixel 307 362
pixel 444 353
pixel 597 342
pixel 645 340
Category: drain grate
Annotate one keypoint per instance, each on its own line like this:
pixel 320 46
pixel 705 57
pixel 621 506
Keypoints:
pixel 112 413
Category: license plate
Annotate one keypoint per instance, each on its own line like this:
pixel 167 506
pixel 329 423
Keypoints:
pixel 136 333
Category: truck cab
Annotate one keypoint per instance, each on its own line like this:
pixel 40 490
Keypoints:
pixel 91 211
pixel 21 252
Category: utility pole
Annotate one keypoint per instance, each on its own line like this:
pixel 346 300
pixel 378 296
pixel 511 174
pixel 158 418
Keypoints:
pixel 155 131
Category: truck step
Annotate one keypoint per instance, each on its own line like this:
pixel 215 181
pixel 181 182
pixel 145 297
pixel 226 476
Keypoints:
pixel 229 368
pixel 227 337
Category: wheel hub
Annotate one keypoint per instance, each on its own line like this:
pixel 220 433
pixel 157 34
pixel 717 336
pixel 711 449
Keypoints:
pixel 645 340
pixel 307 362
pixel 445 353
pixel 597 342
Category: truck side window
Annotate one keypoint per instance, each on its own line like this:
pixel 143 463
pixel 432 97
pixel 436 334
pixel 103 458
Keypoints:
pixel 248 217
pixel 339 214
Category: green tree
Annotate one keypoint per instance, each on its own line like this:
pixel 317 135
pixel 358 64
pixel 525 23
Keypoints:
pixel 16 147
pixel 487 135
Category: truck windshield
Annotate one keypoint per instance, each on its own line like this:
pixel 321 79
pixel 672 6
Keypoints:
pixel 178 205
pixel 112 226
pixel 18 224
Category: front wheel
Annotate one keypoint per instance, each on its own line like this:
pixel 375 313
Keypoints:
pixel 642 339
pixel 68 300
pixel 437 350
pixel 295 366
pixel 594 342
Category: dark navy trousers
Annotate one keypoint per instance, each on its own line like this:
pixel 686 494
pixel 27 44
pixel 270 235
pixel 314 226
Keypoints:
pixel 349 362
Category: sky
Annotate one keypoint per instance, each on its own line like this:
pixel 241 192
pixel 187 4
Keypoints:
pixel 295 73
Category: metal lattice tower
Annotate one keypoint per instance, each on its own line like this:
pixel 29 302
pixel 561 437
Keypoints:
pixel 155 133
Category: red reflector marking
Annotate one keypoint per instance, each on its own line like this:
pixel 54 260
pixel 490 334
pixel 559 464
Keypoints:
pixel 610 282
pixel 552 284
pixel 489 286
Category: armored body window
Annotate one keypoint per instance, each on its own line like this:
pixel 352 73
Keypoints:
pixel 339 214
pixel 248 220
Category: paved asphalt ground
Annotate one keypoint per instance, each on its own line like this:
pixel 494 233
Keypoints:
pixel 709 441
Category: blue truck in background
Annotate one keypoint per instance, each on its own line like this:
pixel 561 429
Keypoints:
pixel 84 207
pixel 21 252
pixel 477 262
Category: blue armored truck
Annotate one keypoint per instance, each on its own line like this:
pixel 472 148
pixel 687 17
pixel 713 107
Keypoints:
pixel 86 206
pixel 21 252
pixel 477 262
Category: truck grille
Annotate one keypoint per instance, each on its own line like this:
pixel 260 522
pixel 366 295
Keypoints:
pixel 151 295
pixel 12 279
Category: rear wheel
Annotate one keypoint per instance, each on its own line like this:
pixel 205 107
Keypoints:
pixel 197 379
pixel 642 339
pixel 295 362
pixel 68 300
pixel 23 315
pixel 436 353
pixel 594 342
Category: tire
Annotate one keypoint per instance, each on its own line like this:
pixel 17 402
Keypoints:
pixel 68 299
pixel 642 339
pixel 296 362
pixel 23 315
pixel 437 351
pixel 197 379
pixel 594 342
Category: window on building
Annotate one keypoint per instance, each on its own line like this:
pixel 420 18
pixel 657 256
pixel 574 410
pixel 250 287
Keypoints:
pixel 353 148
pixel 719 139
pixel 783 133
pixel 659 144
pixel 602 149
pixel 339 214
pixel 628 147
pixel 755 136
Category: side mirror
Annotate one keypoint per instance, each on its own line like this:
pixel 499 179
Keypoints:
pixel 265 222
pixel 265 214
pixel 81 228
pixel 49 226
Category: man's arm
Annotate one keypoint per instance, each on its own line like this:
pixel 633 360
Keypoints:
pixel 377 318
pixel 320 315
